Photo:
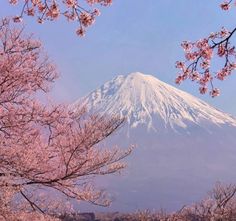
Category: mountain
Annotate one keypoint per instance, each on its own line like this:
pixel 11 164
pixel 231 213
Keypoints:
pixel 143 99
pixel 184 145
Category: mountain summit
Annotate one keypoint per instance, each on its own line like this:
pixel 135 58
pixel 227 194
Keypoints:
pixel 184 146
pixel 145 100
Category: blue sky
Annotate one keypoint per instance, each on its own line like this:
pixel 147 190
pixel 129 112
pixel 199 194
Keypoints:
pixel 129 36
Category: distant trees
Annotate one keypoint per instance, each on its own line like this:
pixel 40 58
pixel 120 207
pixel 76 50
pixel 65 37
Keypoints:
pixel 220 205
pixel 45 150
pixel 199 56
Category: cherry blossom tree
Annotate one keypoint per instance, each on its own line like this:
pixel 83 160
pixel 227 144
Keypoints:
pixel 47 152
pixel 73 10
pixel 200 55
pixel 219 205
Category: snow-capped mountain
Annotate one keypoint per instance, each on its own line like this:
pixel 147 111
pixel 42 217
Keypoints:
pixel 143 99
pixel 184 145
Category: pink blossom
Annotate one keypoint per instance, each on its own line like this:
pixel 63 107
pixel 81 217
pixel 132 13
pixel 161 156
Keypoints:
pixel 194 76
pixel 96 12
pixel 13 2
pixel 207 53
pixel 186 45
pixel 202 43
pixel 205 64
pixel 40 20
pixel 80 32
pixel 223 32
pixel 178 80
pixel 30 12
pixel 203 90
pixel 54 11
pixel 225 6
pixel 86 19
pixel 17 19
pixel 221 50
pixel 70 3
pixel 190 56
pixel 215 92
pixel 179 64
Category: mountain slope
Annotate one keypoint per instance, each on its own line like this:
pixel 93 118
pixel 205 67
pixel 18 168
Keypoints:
pixel 143 99
pixel 184 146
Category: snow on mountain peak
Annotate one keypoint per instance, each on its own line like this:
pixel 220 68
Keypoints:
pixel 145 100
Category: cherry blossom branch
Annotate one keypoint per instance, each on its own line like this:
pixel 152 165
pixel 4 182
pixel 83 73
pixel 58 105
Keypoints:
pixel 33 205
pixel 72 10
pixel 200 55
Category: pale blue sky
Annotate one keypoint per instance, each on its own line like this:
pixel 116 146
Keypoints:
pixel 131 35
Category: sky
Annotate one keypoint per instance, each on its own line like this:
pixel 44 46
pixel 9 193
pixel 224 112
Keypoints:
pixel 130 36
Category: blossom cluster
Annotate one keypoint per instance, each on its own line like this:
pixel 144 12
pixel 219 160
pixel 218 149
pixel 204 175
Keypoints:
pixel 226 5
pixel 45 150
pixel 72 10
pixel 199 55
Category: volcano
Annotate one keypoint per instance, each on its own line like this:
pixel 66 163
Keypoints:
pixel 183 145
